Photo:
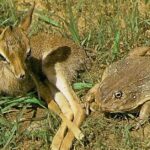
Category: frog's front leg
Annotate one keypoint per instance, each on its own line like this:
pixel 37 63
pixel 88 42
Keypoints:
pixel 90 99
pixel 144 114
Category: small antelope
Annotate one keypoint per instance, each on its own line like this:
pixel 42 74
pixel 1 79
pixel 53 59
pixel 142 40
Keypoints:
pixel 48 63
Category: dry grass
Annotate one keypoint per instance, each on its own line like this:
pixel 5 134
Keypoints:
pixel 108 30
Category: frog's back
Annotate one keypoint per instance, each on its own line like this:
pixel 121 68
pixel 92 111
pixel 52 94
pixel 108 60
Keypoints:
pixel 128 64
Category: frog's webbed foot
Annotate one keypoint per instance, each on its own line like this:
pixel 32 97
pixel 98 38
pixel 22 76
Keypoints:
pixel 90 104
pixel 143 116
pixel 140 124
pixel 90 107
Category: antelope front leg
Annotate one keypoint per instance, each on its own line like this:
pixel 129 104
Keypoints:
pixel 73 127
pixel 79 114
pixel 45 93
pixel 55 108
pixel 63 104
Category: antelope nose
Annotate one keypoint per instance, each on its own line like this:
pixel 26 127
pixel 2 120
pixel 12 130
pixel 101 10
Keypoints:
pixel 22 76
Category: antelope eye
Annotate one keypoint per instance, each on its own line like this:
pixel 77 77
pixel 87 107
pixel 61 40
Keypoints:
pixel 118 94
pixel 2 58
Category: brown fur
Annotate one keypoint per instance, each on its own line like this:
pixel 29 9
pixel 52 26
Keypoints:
pixel 38 46
pixel 51 68
pixel 71 64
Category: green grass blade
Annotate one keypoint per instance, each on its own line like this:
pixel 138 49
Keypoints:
pixel 13 131
pixel 115 50
pixel 72 24
pixel 49 20
pixel 81 85
pixel 36 101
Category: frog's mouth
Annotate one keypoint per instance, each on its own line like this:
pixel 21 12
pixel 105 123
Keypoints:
pixel 114 108
pixel 124 108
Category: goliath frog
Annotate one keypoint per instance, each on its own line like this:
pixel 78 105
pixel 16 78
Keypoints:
pixel 125 86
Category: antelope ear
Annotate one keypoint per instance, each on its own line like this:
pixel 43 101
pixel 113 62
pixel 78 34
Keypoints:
pixel 57 54
pixel 2 32
pixel 25 24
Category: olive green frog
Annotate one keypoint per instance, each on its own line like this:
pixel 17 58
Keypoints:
pixel 125 86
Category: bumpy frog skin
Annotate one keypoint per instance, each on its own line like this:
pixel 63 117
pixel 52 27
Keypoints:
pixel 125 85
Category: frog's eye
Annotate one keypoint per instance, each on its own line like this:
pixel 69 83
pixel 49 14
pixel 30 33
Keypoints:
pixel 118 94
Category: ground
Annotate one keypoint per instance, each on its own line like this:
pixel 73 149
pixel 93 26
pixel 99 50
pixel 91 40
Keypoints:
pixel 107 30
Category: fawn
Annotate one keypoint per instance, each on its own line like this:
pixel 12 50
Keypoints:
pixel 48 63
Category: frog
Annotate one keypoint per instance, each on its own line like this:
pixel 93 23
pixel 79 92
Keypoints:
pixel 124 87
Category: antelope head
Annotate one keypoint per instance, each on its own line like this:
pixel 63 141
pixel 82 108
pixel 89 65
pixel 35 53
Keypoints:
pixel 15 46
